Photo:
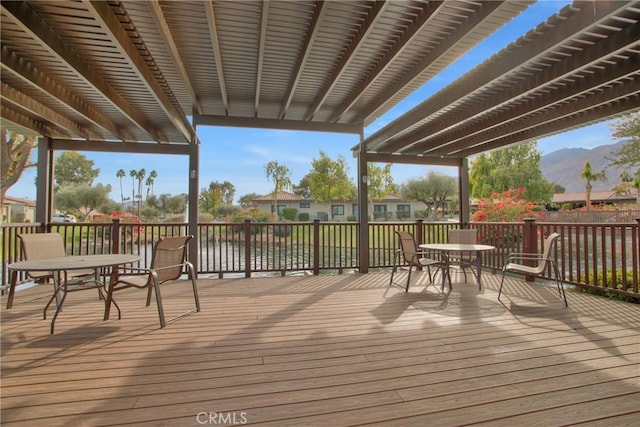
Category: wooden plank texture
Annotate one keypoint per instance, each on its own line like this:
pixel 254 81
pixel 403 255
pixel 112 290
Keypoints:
pixel 338 350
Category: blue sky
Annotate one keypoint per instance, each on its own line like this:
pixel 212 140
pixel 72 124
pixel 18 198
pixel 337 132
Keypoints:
pixel 240 155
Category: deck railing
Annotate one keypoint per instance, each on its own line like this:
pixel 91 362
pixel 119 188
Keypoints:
pixel 598 256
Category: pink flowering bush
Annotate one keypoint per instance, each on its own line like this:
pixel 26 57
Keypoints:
pixel 508 206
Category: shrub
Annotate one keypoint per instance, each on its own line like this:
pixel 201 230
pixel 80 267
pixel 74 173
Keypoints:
pixel 255 215
pixel 226 210
pixel 506 207
pixel 289 213
pixel 304 216
pixel 403 214
pixel 352 218
pixel 282 230
pixel 421 214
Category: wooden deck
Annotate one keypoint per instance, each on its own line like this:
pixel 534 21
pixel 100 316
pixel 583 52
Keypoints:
pixel 325 351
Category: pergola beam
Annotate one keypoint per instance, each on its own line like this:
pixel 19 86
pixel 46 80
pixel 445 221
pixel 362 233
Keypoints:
pixel 217 55
pixel 510 59
pixel 170 44
pixel 109 22
pixel 19 68
pixel 424 18
pixel 314 29
pixel 32 24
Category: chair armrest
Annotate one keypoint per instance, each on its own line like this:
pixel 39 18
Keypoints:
pixel 526 257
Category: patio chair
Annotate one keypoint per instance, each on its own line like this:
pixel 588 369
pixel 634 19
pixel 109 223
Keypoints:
pixel 167 265
pixel 414 257
pixel 47 245
pixel 50 245
pixel 541 260
pixel 464 260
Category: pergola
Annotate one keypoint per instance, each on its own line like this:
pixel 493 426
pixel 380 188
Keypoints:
pixel 124 76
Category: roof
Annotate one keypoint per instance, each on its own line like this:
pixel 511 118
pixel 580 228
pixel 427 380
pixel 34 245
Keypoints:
pixel 596 196
pixel 133 72
pixel 579 67
pixel 282 196
pixel 10 200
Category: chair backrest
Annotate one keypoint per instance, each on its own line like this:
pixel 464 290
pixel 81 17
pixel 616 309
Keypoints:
pixel 408 247
pixel 546 251
pixel 39 246
pixel 548 244
pixel 464 236
pixel 170 252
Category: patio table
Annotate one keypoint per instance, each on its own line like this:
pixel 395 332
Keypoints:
pixel 448 248
pixel 59 266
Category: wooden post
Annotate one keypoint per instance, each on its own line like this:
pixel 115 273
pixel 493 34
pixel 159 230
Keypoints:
pixel 115 236
pixel 247 248
pixel 419 231
pixel 316 247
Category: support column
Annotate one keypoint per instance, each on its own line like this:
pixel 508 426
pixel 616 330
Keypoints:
pixel 44 181
pixel 463 191
pixel 363 209
pixel 194 167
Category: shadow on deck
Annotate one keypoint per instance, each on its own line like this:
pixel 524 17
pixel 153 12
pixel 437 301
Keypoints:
pixel 325 350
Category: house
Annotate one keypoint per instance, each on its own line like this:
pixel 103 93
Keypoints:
pixel 391 207
pixel 15 209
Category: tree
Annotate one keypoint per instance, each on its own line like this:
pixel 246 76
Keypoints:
pixel 513 167
pixel 303 189
pixel 213 197
pixel 433 190
pixel 281 177
pixel 133 174
pixel 15 152
pixel 329 179
pixel 73 168
pixel 629 155
pixel 247 200
pixel 590 176
pixel 121 174
pixel 140 177
pixel 379 182
pixel 149 182
pixel 627 181
pixel 81 199
pixel 173 204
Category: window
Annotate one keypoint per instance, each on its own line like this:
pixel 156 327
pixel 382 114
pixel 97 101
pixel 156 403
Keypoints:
pixel 337 210
pixel 281 208
pixel 379 211
pixel 305 205
pixel 403 212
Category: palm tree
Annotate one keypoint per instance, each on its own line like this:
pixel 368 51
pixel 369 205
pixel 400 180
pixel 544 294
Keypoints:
pixel 133 174
pixel 121 174
pixel 140 176
pixel 149 182
pixel 589 176
pixel 627 180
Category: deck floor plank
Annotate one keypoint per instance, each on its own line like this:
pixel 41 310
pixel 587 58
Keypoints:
pixel 325 350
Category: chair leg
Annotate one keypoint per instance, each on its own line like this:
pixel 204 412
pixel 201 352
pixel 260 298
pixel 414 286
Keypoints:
pixel 194 285
pixel 409 277
pixel 156 286
pixel 560 285
pixel 501 283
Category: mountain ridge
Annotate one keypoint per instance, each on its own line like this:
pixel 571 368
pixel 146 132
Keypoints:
pixel 564 166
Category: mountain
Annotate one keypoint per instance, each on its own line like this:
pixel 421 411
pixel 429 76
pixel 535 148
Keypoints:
pixel 564 166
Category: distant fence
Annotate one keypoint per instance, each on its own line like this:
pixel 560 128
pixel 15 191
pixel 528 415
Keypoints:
pixel 628 215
